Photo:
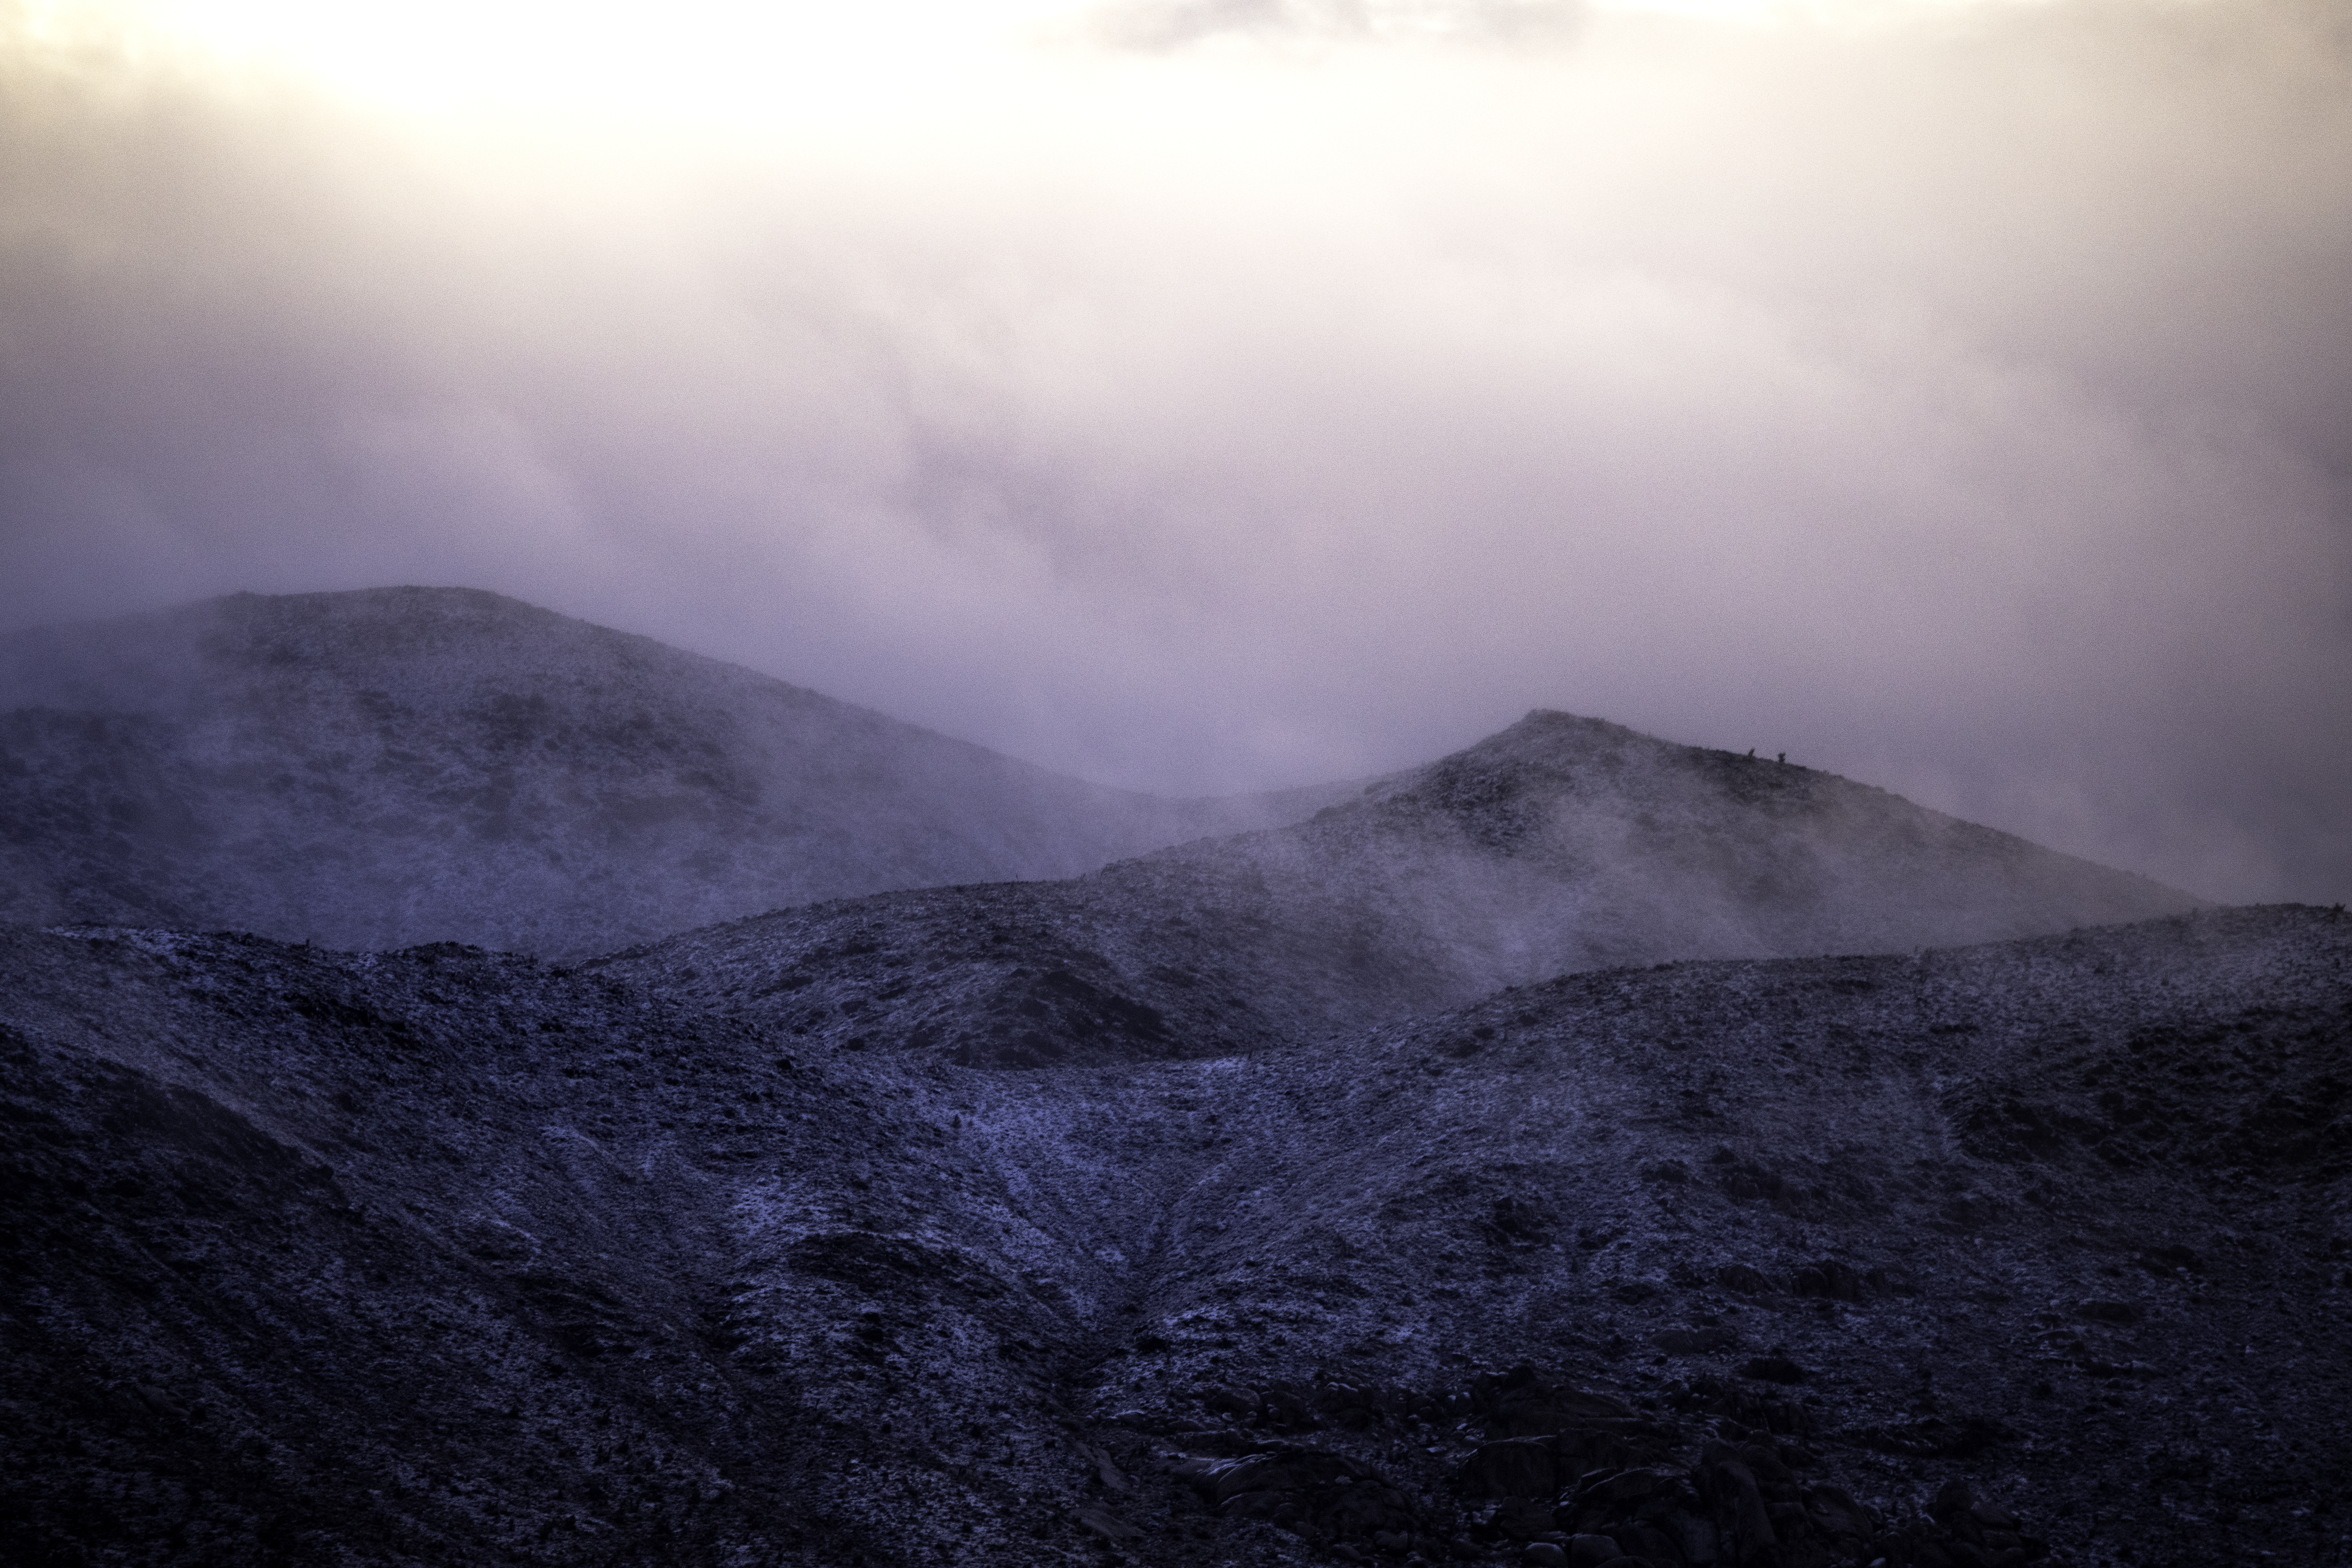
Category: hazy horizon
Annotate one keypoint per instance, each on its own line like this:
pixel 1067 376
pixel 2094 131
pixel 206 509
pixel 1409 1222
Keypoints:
pixel 1206 397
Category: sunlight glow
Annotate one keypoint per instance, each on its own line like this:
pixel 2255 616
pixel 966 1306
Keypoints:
pixel 733 62
pixel 691 59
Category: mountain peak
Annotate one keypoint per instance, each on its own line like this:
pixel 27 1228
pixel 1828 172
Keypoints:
pixel 1567 843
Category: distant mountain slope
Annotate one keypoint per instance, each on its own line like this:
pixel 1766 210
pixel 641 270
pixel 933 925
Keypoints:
pixel 398 765
pixel 1561 844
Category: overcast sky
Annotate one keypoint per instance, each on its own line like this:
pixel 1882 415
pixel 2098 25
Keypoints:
pixel 1205 395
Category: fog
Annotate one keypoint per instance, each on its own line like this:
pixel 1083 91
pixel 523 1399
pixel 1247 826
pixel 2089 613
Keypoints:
pixel 1215 396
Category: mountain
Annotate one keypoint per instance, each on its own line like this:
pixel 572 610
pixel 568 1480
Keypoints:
pixel 376 769
pixel 1560 845
pixel 1964 1256
pixel 1582 1151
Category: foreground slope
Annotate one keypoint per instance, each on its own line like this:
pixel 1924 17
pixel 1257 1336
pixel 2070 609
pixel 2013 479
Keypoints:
pixel 396 765
pixel 1561 844
pixel 442 1257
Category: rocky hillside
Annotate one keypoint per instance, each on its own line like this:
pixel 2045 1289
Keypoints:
pixel 1583 1151
pixel 2022 1252
pixel 407 764
pixel 1560 845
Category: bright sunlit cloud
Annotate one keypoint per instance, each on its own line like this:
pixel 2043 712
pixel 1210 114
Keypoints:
pixel 692 59
pixel 728 61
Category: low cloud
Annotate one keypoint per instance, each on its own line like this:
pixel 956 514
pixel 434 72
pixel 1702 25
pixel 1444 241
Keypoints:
pixel 1956 398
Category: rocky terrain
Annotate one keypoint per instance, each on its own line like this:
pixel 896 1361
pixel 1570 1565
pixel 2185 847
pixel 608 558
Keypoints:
pixel 1582 1151
pixel 399 766
pixel 447 1256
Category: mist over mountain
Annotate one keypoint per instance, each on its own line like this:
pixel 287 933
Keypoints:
pixel 399 766
pixel 1579 1151
pixel 1561 844
pixel 480 1088
pixel 1230 395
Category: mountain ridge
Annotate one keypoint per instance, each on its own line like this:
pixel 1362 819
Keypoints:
pixel 1558 844
pixel 1493 1166
pixel 388 766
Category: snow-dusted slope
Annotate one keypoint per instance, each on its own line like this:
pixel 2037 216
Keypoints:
pixel 374 769
pixel 1559 845
pixel 1564 843
pixel 441 1258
